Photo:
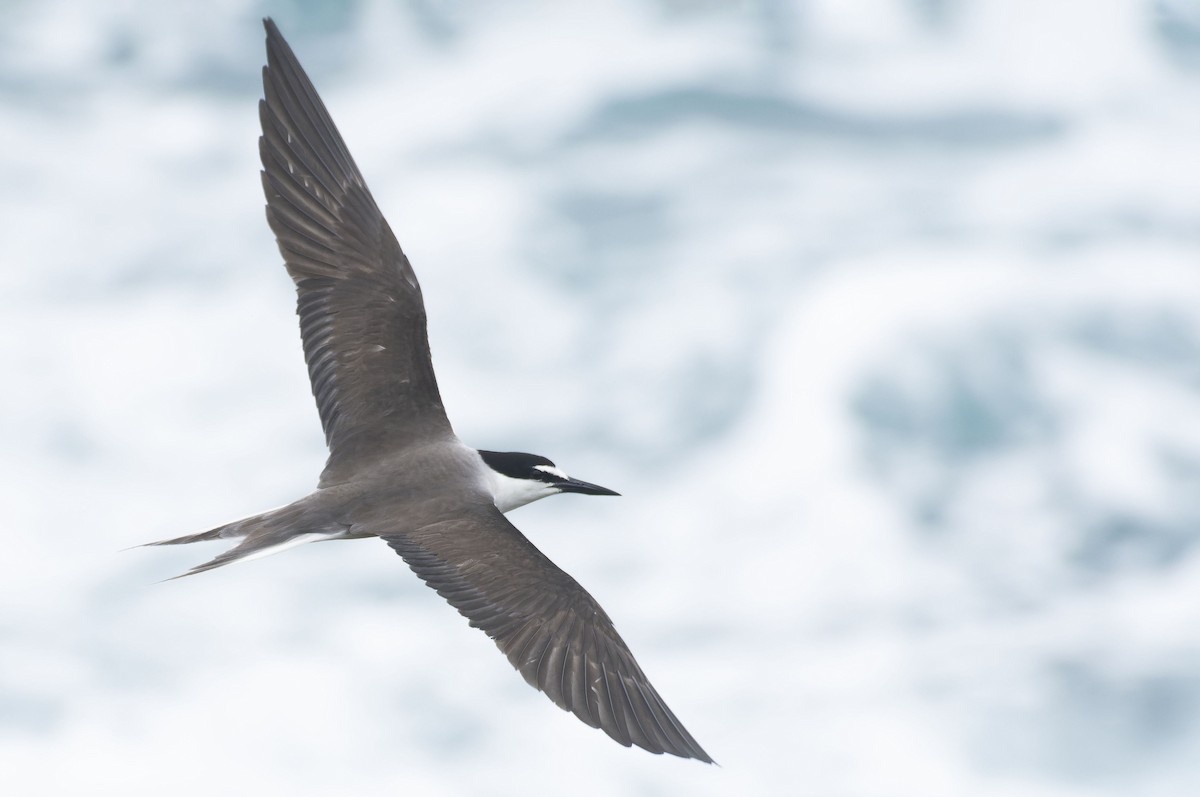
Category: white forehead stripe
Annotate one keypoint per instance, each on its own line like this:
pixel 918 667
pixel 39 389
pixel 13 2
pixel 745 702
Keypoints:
pixel 553 471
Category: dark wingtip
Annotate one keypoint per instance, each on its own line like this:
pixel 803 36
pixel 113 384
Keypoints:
pixel 274 36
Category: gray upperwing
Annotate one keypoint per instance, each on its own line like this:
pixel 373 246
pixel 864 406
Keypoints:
pixel 550 628
pixel 362 318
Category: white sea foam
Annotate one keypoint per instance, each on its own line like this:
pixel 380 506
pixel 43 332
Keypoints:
pixel 882 317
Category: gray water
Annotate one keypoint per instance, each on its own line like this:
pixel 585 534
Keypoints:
pixel 883 316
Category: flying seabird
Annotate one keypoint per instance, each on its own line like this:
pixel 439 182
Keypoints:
pixel 395 468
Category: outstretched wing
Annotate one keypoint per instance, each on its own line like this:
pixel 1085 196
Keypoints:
pixel 550 628
pixel 362 318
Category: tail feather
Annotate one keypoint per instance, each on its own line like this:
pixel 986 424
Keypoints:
pixel 223 559
pixel 204 536
pixel 238 528
pixel 262 535
pixel 251 548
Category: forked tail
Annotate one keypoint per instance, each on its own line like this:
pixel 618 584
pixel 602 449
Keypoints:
pixel 263 535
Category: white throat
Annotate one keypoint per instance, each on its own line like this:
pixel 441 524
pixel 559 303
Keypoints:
pixel 509 493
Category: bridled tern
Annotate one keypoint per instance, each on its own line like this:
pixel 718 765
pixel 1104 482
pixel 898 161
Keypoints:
pixel 395 468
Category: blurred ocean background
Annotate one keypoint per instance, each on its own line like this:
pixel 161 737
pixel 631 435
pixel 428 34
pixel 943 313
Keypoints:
pixel 884 316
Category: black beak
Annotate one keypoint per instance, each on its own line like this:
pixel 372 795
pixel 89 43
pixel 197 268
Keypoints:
pixel 587 488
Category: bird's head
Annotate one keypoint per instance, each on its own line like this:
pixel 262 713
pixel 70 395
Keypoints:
pixel 519 479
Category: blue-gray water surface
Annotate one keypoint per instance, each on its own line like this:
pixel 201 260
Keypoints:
pixel 884 317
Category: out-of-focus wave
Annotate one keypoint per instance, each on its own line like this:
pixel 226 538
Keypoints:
pixel 883 317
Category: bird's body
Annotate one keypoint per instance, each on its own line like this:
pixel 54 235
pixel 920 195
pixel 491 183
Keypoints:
pixel 396 470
